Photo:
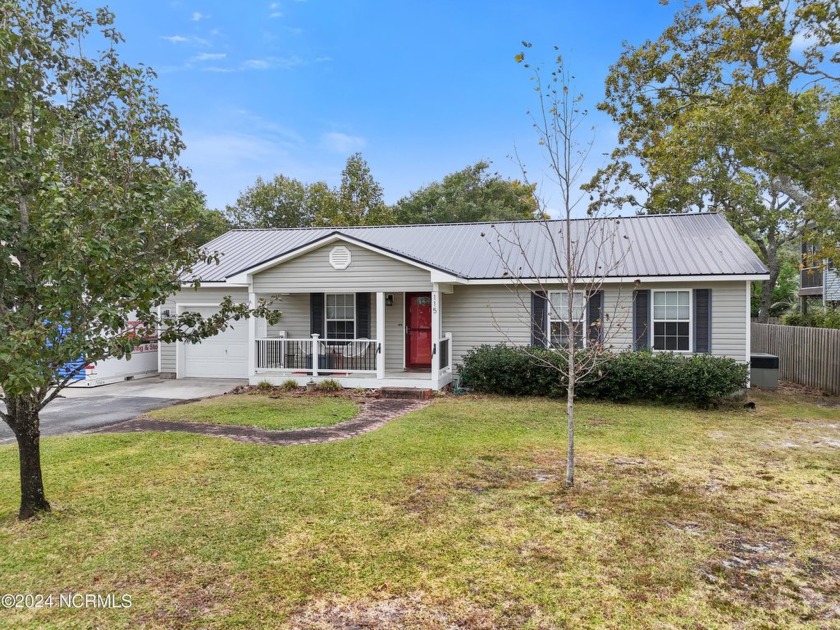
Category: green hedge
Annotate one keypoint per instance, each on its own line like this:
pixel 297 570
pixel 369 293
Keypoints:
pixel 817 318
pixel 626 376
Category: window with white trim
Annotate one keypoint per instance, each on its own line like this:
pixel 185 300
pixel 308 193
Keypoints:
pixel 558 313
pixel 672 320
pixel 340 315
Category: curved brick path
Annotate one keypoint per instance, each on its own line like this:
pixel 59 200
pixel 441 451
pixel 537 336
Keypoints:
pixel 374 414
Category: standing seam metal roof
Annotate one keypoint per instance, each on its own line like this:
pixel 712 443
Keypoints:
pixel 640 246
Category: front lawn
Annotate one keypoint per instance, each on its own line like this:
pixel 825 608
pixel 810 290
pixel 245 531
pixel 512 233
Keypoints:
pixel 276 411
pixel 451 516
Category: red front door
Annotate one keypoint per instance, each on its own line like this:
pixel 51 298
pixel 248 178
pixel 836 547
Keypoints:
pixel 418 330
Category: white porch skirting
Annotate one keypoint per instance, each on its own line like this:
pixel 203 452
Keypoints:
pixel 405 379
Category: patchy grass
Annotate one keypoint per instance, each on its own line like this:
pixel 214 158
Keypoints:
pixel 453 516
pixel 278 411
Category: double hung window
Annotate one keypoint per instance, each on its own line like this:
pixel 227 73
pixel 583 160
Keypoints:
pixel 340 315
pixel 672 320
pixel 559 326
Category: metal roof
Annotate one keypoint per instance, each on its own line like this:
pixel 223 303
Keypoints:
pixel 636 246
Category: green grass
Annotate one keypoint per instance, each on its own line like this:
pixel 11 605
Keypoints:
pixel 453 515
pixel 281 411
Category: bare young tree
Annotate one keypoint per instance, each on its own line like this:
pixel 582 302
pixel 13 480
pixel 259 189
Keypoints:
pixel 558 267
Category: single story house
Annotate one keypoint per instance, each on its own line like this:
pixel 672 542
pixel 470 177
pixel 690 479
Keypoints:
pixel 401 305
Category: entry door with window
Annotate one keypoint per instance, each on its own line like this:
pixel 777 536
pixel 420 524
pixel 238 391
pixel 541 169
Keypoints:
pixel 418 330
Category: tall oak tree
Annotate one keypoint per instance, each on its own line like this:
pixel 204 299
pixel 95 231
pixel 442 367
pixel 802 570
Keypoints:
pixel 733 108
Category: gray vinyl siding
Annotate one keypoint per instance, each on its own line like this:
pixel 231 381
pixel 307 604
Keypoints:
pixel 295 319
pixel 202 295
pixel 485 314
pixel 368 271
pixel 491 314
pixel 729 319
pixel 729 327
pixel 832 285
pixel 395 334
pixel 167 350
pixel 618 317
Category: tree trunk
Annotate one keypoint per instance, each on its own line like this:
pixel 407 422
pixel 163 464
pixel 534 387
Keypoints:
pixel 767 291
pixel 570 420
pixel 24 421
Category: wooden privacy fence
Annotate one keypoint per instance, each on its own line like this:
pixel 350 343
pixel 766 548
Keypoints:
pixel 808 356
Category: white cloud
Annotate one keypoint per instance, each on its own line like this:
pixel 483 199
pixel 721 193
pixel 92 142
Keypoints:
pixel 223 164
pixel 215 62
pixel 801 41
pixel 267 63
pixel 181 39
pixel 337 142
pixel 256 64
pixel 285 136
pixel 197 17
pixel 275 14
pixel 209 57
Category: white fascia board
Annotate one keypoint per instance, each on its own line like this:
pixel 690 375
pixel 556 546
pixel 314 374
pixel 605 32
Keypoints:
pixel 624 280
pixel 215 285
pixel 440 277
pixel 244 278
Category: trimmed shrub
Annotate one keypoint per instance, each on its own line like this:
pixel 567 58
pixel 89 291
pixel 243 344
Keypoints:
pixel 329 385
pixel 816 318
pixel 626 376
pixel 290 385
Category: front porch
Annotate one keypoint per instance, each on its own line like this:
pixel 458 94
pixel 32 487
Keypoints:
pixel 408 348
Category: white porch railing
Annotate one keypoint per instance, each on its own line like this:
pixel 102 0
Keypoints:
pixel 443 359
pixel 316 356
pixel 362 359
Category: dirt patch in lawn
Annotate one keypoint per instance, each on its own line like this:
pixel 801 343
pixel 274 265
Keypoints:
pixel 410 612
pixel 764 571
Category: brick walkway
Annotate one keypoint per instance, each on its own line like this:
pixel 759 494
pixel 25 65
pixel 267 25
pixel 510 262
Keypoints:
pixel 374 414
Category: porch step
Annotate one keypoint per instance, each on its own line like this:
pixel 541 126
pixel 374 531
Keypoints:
pixel 410 393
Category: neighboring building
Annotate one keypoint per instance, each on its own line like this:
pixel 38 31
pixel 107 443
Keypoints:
pixel 401 305
pixel 819 281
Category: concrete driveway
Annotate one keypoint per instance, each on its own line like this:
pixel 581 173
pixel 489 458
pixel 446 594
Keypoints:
pixel 80 409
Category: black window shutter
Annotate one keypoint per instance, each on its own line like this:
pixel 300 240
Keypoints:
pixel 594 313
pixel 539 319
pixel 641 317
pixel 702 320
pixel 363 316
pixel 316 314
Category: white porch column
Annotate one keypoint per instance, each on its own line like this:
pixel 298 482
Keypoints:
pixel 436 335
pixel 316 354
pixel 380 335
pixel 252 336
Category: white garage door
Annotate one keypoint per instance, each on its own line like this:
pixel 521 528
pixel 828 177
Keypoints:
pixel 223 356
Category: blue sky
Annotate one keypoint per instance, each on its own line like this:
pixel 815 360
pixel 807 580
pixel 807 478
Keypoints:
pixel 420 88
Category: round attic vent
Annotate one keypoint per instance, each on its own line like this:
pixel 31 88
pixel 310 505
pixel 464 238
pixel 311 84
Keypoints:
pixel 340 257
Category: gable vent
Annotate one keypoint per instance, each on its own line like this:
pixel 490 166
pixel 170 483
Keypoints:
pixel 340 257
